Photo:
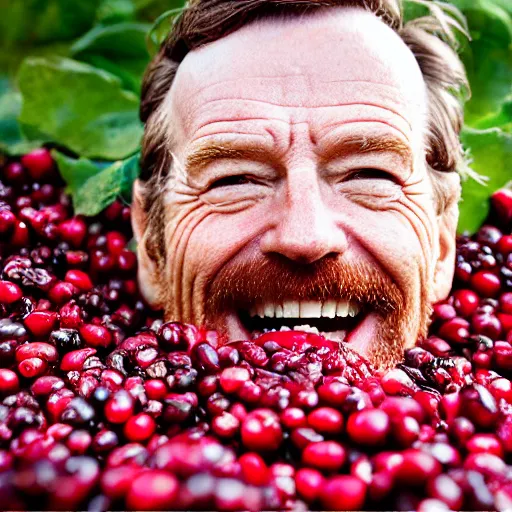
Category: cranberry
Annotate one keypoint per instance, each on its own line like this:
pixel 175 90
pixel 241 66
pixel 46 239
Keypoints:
pixel 41 323
pixel 324 455
pixel 32 367
pixel 96 335
pixel 343 492
pixel 369 427
pixel 9 292
pixel 139 428
pixel 455 331
pixel 39 164
pixel 9 382
pixel 466 302
pixel 79 279
pixel 153 490
pixel 325 420
pixel 232 379
pixel 261 431
pixel 486 283
pixel 225 425
pixel 73 231
pixel 7 221
pixel 501 202
pixel 417 467
pixel 115 482
pixel 254 469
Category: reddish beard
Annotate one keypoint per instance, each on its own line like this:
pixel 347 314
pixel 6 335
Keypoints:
pixel 241 283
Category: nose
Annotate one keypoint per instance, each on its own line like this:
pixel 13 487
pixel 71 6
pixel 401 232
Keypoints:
pixel 305 229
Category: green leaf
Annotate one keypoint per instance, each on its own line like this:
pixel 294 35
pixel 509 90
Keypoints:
pixel 75 172
pixel 79 107
pixel 126 40
pixel 12 141
pixel 488 57
pixel 491 152
pixel 161 28
pixel 10 106
pixel 503 119
pixel 32 22
pixel 102 189
pixel 114 11
pixel 119 49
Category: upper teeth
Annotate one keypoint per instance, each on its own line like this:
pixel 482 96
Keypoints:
pixel 305 309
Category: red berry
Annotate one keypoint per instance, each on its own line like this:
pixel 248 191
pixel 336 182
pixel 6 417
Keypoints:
pixel 501 202
pixel 7 221
pixel 232 379
pixel 20 236
pixel 115 242
pixel 73 231
pixel 96 335
pixel 455 330
pixel 39 164
pixel 79 279
pixel 261 431
pixel 41 323
pixel 326 420
pixel 15 173
pixel 254 469
pixel 153 490
pixel 486 283
pixel 369 427
pixel 119 408
pixel 62 292
pixel 417 467
pixel 139 428
pixel 32 367
pixel 505 245
pixel 309 483
pixel 325 455
pixel 343 492
pixel 466 302
pixel 9 292
pixel 9 382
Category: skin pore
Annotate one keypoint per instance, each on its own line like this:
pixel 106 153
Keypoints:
pixel 299 175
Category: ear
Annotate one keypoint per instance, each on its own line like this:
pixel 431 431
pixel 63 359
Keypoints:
pixel 447 232
pixel 147 271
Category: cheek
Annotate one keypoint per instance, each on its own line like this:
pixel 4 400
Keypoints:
pixel 399 234
pixel 200 240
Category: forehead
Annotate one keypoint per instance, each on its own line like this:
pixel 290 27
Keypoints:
pixel 300 69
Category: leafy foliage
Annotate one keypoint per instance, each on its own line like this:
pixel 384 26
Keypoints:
pixel 71 70
pixel 79 106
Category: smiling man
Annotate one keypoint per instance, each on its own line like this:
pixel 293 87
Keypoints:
pixel 299 171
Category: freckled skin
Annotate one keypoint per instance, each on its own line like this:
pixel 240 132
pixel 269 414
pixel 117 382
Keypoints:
pixel 293 87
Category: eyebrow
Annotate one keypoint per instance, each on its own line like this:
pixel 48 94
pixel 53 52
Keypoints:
pixel 210 152
pixel 367 144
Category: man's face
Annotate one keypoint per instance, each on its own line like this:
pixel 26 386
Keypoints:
pixel 299 194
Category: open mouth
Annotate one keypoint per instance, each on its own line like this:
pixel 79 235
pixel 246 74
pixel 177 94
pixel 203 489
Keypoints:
pixel 333 319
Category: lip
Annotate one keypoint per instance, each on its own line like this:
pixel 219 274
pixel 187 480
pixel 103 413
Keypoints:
pixel 360 338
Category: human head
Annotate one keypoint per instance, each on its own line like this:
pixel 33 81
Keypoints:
pixel 204 267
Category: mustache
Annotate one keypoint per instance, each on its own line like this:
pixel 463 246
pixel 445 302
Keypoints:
pixel 274 278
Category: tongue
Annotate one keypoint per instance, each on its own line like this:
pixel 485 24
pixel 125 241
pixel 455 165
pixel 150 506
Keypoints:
pixel 297 341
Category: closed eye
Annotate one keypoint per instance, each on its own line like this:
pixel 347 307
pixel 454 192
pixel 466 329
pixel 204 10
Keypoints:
pixel 371 174
pixel 230 181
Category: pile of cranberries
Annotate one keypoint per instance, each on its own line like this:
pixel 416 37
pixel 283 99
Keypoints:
pixel 104 406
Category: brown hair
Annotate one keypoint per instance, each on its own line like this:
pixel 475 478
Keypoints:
pixel 204 21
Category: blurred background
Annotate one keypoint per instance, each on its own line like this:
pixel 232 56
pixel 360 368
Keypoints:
pixel 70 76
